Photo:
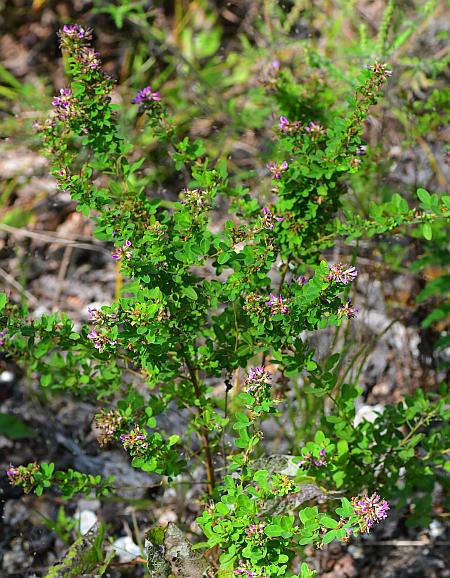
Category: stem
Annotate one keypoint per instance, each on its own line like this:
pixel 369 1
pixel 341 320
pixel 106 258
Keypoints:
pixel 203 430
pixel 423 421
pixel 283 274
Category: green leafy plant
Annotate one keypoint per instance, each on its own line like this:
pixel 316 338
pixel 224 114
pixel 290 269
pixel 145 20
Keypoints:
pixel 205 304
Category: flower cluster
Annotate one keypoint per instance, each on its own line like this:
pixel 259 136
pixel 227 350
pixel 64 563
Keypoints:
pixel 23 476
pixel 315 130
pixel 84 62
pixel 100 317
pixel 123 251
pixel 89 60
pixel 253 303
pixel 277 304
pixel 287 126
pixel 2 337
pixel 257 384
pixel 147 99
pixel 301 280
pixel 268 219
pixel 65 105
pixel 347 310
pixel 76 40
pixel 255 533
pixel 282 484
pixel 250 573
pixel 381 71
pixel 108 422
pixel 101 340
pixel 277 169
pixel 195 198
pixel 342 273
pixel 136 442
pixel 308 460
pixel 361 150
pixel 370 510
pixel 74 33
pixel 157 229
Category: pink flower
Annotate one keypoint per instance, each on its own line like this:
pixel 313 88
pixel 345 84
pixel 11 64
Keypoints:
pixel 347 310
pixel 123 252
pixel 277 304
pixel 74 31
pixel 100 340
pixel 308 460
pixel 277 169
pixel 268 218
pixel 136 441
pixel 370 510
pixel 146 98
pixel 342 273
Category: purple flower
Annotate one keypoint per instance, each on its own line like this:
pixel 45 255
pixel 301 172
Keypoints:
pixel 23 476
pixel 315 130
pixel 146 98
pixel 94 315
pixel 312 127
pixel 277 304
pixel 136 441
pixel 308 460
pixel 255 533
pixel 257 376
pixel 347 310
pixel 100 340
pixel 89 59
pixel 361 150
pixel 288 127
pixel 65 94
pixel 65 105
pixel 251 573
pixel 342 273
pixel 123 252
pixel 284 123
pixel 268 218
pixel 108 422
pixel 100 317
pixel 370 510
pixel 2 340
pixel 74 31
pixel 13 474
pixel 302 280
pixel 258 384
pixel 277 169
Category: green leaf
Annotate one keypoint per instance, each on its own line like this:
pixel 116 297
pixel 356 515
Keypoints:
pixel 223 258
pixel 427 231
pixel 424 196
pixel 328 522
pixel 329 537
pixel 190 292
pixel 221 508
pixel 2 301
pixel 13 427
pixel 273 530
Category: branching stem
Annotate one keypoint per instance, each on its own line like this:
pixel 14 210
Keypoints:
pixel 203 429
